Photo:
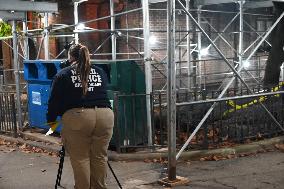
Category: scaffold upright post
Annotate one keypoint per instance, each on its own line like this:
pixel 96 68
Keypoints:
pixel 112 27
pixel 26 39
pixel 190 69
pixel 241 33
pixel 76 20
pixel 148 71
pixel 46 37
pixel 16 73
pixel 199 46
pixel 171 91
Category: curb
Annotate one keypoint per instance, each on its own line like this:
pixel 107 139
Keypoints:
pixel 41 144
pixel 40 137
pixel 141 156
pixel 194 155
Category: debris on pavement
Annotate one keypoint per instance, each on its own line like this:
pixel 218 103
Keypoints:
pixel 24 148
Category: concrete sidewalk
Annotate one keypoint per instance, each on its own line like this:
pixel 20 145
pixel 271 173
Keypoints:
pixel 24 170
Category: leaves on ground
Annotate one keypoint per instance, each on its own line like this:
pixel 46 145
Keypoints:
pixel 25 148
pixel 156 160
pixel 280 147
pixel 231 156
pixel 217 157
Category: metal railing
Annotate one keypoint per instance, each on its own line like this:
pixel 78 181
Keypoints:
pixel 232 121
pixel 236 120
pixel 7 81
pixel 8 122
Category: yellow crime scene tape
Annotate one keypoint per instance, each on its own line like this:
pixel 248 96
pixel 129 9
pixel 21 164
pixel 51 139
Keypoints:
pixel 236 107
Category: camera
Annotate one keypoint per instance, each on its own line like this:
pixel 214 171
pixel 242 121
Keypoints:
pixel 64 64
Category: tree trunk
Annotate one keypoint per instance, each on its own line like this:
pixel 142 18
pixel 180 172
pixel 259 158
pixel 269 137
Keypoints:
pixel 276 55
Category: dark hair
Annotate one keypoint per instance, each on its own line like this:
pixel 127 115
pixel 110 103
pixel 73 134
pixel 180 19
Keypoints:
pixel 81 54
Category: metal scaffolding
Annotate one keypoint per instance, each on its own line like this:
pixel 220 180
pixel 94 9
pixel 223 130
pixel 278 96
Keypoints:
pixel 237 72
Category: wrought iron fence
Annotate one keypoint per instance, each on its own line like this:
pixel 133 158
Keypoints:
pixel 232 121
pixel 238 120
pixel 8 122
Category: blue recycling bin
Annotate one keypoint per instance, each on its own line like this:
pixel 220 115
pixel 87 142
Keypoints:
pixel 39 75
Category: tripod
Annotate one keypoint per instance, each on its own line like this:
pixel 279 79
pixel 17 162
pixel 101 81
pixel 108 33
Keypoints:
pixel 60 168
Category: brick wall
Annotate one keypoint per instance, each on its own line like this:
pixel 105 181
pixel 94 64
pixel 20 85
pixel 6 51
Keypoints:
pixel 89 10
pixel 126 43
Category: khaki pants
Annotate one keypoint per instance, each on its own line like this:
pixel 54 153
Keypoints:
pixel 86 134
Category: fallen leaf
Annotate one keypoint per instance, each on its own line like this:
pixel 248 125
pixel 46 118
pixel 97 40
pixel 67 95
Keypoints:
pixel 23 146
pixel 270 150
pixel 261 151
pixel 147 160
pixel 216 158
pixel 12 150
pixel 210 134
pixel 230 156
pixel 280 147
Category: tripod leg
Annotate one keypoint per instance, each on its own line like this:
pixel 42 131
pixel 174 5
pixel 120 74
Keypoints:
pixel 60 168
pixel 114 175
